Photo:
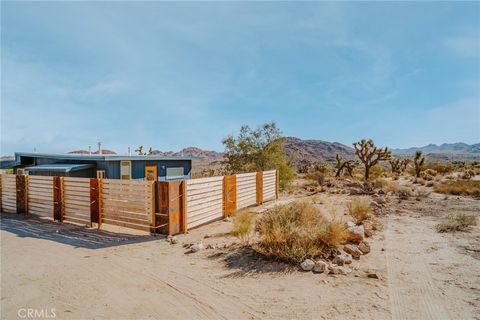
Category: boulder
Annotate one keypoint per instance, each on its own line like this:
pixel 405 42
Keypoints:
pixel 197 247
pixel 307 265
pixel 320 267
pixel 355 234
pixel 353 250
pixel 342 259
pixel 364 247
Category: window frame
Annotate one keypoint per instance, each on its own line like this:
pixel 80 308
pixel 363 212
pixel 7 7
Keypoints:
pixel 130 169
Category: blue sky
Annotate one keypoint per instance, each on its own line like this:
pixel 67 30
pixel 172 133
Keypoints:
pixel 172 75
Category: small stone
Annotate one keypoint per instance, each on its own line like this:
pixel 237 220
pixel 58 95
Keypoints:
pixel 173 240
pixel 307 265
pixel 350 224
pixel 210 246
pixel 353 250
pixel 368 233
pixel 197 247
pixel 342 259
pixel 334 269
pixel 320 267
pixel 372 276
pixel 364 246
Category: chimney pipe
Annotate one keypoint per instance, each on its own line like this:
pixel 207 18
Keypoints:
pixel 129 152
pixel 89 149
pixel 99 148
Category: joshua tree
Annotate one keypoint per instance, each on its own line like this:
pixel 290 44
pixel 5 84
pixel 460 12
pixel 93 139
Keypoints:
pixel 396 165
pixel 370 155
pixel 139 151
pixel 418 161
pixel 404 164
pixel 150 151
pixel 341 165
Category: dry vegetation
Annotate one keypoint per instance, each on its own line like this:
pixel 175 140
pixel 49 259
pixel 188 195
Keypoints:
pixel 359 209
pixel 459 187
pixel 457 222
pixel 297 231
pixel 243 223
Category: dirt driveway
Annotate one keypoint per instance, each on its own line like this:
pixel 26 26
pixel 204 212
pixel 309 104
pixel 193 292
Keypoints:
pixel 87 274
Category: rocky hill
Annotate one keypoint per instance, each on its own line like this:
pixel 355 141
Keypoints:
pixel 192 152
pixel 316 150
pixel 446 148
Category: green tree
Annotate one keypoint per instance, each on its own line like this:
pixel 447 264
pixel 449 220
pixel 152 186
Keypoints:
pixel 258 150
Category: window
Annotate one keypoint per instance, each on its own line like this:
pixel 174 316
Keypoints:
pixel 100 174
pixel 125 170
pixel 175 173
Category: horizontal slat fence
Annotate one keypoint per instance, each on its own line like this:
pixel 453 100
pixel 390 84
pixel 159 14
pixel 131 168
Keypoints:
pixel 9 193
pixel 269 185
pixel 40 195
pixel 132 203
pixel 127 203
pixel 204 200
pixel 76 200
pixel 246 189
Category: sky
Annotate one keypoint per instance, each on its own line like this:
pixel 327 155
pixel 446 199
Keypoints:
pixel 172 75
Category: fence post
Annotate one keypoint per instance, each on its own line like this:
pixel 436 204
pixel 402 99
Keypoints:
pixel 277 182
pixel 58 212
pixel 153 216
pixel 95 201
pixel 183 207
pixel 22 196
pixel 259 187
pixel 229 195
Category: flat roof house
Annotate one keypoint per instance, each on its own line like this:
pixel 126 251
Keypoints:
pixel 104 166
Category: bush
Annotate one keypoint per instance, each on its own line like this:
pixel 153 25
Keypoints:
pixel 459 187
pixel 359 209
pixel 243 222
pixel 439 167
pixel 458 222
pixel 404 193
pixel 297 231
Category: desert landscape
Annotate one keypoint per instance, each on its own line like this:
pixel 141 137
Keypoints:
pixel 411 270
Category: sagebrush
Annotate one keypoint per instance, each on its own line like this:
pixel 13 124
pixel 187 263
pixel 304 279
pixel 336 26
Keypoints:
pixel 359 209
pixel 459 187
pixel 457 222
pixel 243 225
pixel 296 231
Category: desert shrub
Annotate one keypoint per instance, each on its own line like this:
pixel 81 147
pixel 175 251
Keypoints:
pixel 439 167
pixel 457 222
pixel 359 209
pixel 376 171
pixel 385 185
pixel 459 187
pixel 296 231
pixel 468 174
pixel 243 223
pixel 404 193
pixel 421 193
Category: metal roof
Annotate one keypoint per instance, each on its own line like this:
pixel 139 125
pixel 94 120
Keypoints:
pixel 60 167
pixel 97 157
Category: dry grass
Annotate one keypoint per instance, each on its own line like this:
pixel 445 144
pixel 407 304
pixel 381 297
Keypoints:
pixel 457 222
pixel 243 225
pixel 359 209
pixel 459 187
pixel 296 231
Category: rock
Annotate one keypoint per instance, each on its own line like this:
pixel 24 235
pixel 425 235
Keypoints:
pixel 343 259
pixel 372 276
pixel 211 246
pixel 364 246
pixel 350 224
pixel 228 219
pixel 197 247
pixel 380 191
pixel 353 250
pixel 368 232
pixel 334 269
pixel 172 239
pixel 320 267
pixel 355 234
pixel 307 265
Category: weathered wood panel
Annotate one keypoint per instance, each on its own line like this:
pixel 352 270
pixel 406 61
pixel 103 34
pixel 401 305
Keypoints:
pixel 9 193
pixel 40 196
pixel 127 203
pixel 246 189
pixel 204 200
pixel 269 185
pixel 76 200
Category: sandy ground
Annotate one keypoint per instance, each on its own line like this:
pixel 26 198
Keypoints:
pixel 90 274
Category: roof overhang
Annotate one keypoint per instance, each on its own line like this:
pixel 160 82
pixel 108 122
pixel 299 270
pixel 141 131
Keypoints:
pixel 96 157
pixel 59 167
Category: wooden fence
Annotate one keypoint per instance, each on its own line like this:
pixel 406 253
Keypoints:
pixel 166 207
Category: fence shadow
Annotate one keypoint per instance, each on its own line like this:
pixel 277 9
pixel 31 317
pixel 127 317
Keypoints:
pixel 246 262
pixel 73 235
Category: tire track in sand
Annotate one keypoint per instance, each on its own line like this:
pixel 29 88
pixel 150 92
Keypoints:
pixel 411 288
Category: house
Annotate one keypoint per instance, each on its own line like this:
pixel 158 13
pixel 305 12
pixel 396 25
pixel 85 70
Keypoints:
pixel 106 166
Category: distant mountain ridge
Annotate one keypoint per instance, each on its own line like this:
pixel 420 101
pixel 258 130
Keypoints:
pixel 445 148
pixel 316 150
